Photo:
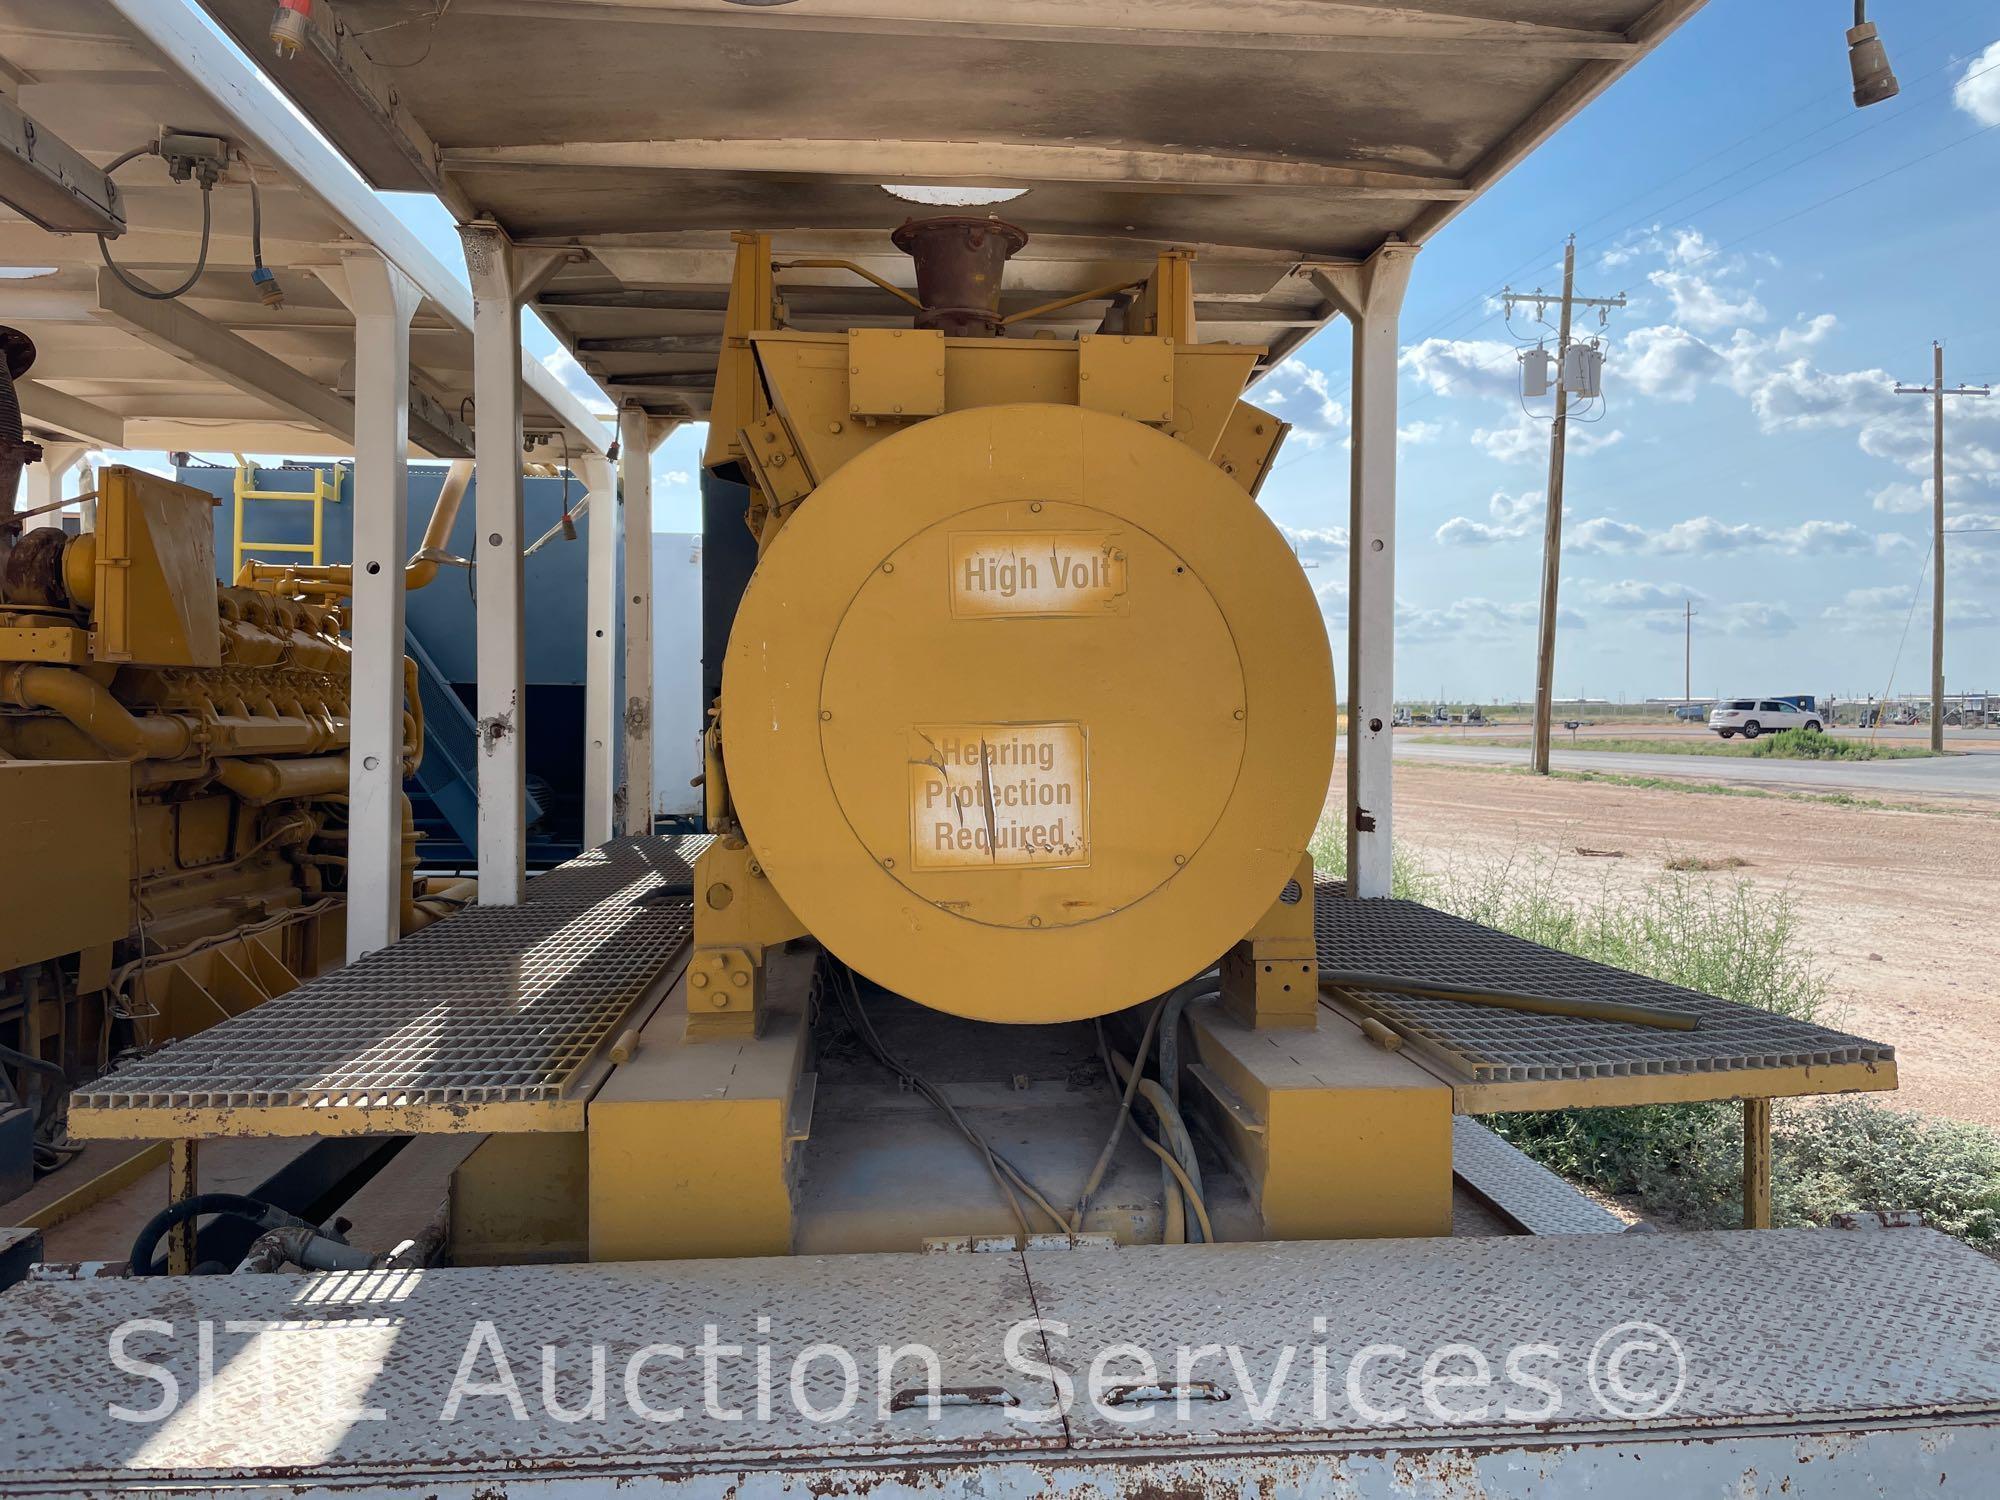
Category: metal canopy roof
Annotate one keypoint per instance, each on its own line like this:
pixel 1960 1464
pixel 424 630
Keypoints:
pixel 216 370
pixel 1269 135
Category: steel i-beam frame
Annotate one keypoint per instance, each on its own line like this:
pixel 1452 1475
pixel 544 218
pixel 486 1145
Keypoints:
pixel 503 278
pixel 383 301
pixel 638 436
pixel 600 680
pixel 1370 296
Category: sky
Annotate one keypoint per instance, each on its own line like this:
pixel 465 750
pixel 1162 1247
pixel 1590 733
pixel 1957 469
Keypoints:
pixel 1787 260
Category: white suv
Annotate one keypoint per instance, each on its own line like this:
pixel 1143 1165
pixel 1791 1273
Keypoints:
pixel 1751 717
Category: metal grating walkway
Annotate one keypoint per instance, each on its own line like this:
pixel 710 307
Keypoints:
pixel 491 1009
pixel 1548 1061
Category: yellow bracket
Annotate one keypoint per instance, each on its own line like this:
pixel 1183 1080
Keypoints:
pixel 737 916
pixel 1270 980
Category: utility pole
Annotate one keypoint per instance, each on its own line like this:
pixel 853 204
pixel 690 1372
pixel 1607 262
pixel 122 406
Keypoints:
pixel 1687 651
pixel 1936 391
pixel 1545 644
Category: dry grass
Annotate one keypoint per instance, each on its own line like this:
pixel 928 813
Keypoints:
pixel 1706 864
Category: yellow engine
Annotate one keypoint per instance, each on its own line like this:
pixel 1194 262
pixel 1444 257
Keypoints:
pixel 1028 710
pixel 173 779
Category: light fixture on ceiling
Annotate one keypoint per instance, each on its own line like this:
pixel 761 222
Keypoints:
pixel 1869 61
pixel 951 197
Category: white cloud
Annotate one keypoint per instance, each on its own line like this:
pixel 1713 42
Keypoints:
pixel 1750 618
pixel 1804 335
pixel 1528 440
pixel 1417 433
pixel 1474 617
pixel 1638 594
pixel 1466 367
pixel 1705 306
pixel 1703 536
pixel 1317 545
pixel 1890 606
pixel 579 384
pixel 1510 516
pixel 1665 361
pixel 677 476
pixel 1606 535
pixel 1977 91
pixel 1302 395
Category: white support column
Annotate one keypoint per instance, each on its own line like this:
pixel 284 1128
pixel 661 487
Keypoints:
pixel 383 301
pixel 638 436
pixel 42 483
pixel 1370 295
pixel 602 523
pixel 503 278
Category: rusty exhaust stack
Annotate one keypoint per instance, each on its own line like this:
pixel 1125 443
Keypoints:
pixel 960 261
pixel 17 354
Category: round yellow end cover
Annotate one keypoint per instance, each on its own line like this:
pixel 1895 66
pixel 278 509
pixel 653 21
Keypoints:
pixel 1028 713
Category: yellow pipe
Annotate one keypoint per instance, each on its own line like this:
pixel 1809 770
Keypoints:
pixel 88 704
pixel 424 566
pixel 338 578
pixel 260 779
pixel 826 263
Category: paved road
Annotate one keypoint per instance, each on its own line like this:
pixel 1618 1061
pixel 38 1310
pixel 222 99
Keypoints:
pixel 1950 776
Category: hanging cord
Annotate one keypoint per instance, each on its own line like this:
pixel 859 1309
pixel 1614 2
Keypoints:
pixel 1145 1047
pixel 133 284
pixel 1006 1175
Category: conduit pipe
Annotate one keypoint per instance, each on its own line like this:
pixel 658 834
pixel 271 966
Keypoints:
pixel 89 705
pixel 338 578
pixel 260 779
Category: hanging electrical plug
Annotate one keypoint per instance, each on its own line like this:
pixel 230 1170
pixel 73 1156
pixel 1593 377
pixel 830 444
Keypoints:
pixel 568 527
pixel 262 276
pixel 289 23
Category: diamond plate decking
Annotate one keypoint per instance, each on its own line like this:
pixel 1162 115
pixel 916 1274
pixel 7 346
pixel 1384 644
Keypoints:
pixel 488 1019
pixel 1798 1345
pixel 1521 1188
pixel 1500 1060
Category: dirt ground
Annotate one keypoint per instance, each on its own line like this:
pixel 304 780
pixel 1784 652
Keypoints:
pixel 1901 908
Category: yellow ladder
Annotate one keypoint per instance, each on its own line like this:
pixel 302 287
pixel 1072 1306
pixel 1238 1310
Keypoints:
pixel 326 488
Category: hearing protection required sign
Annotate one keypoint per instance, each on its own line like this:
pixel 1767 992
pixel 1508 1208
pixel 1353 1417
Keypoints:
pixel 983 796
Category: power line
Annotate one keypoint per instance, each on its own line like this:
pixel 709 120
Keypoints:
pixel 1462 309
pixel 1937 392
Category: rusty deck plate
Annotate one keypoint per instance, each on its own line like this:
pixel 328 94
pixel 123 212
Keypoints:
pixel 489 1019
pixel 1499 1059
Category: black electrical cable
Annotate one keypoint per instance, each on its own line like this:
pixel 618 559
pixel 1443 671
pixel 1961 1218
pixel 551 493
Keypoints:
pixel 140 288
pixel 256 226
pixel 264 1215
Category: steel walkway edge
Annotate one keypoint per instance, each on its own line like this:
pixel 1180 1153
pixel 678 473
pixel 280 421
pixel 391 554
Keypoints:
pixel 497 1018
pixel 1815 1362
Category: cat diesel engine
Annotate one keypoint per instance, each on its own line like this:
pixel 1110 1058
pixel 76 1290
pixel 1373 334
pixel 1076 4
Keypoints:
pixel 173 779
pixel 1028 711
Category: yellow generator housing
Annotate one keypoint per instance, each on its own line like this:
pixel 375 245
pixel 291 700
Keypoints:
pixel 1028 711
pixel 1027 716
